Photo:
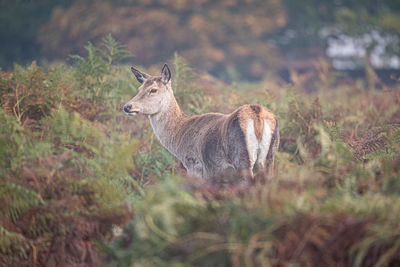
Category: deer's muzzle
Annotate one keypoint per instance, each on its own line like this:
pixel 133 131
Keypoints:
pixel 127 110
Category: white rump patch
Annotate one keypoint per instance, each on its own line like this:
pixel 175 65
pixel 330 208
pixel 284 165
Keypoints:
pixel 258 150
pixel 252 143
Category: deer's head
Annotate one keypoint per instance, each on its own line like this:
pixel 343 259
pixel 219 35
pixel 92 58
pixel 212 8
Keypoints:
pixel 154 95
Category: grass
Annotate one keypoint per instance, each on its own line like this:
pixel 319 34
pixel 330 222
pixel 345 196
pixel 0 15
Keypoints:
pixel 74 169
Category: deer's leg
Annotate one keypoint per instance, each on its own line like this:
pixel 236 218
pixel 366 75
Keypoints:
pixel 195 171
pixel 271 152
pixel 259 167
pixel 247 174
pixel 245 165
pixel 193 166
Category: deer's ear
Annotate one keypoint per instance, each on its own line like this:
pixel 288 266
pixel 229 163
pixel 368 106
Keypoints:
pixel 165 74
pixel 140 76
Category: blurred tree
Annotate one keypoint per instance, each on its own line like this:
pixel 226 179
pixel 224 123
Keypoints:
pixel 300 40
pixel 229 38
pixel 212 35
pixel 20 21
pixel 372 24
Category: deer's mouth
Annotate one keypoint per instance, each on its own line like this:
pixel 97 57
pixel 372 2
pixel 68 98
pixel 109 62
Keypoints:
pixel 127 109
pixel 133 112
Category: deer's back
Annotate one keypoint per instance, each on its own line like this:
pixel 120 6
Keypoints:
pixel 212 143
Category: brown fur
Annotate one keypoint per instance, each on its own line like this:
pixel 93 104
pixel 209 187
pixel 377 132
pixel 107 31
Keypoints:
pixel 258 114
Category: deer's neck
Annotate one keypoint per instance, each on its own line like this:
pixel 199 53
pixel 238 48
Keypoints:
pixel 166 125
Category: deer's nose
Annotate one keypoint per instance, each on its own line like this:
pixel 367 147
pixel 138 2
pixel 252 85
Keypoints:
pixel 127 108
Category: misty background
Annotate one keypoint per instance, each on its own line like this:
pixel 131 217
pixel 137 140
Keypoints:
pixel 230 39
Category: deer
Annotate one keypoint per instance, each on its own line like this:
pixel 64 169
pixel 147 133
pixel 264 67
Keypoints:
pixel 211 144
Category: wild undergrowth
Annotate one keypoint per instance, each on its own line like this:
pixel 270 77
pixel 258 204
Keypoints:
pixel 334 198
pixel 75 172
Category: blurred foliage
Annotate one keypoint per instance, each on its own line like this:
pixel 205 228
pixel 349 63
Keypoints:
pixel 311 23
pixel 183 84
pixel 20 21
pixel 375 25
pixel 83 184
pixel 231 39
pixel 93 72
pixel 63 161
pixel 213 34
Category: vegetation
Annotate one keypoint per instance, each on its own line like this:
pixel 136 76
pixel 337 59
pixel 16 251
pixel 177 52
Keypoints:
pixel 231 39
pixel 20 22
pixel 75 172
pixel 65 159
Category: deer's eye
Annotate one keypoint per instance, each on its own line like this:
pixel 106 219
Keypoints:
pixel 152 91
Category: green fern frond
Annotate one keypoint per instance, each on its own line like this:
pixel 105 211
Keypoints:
pixel 11 242
pixel 114 51
pixel 18 199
